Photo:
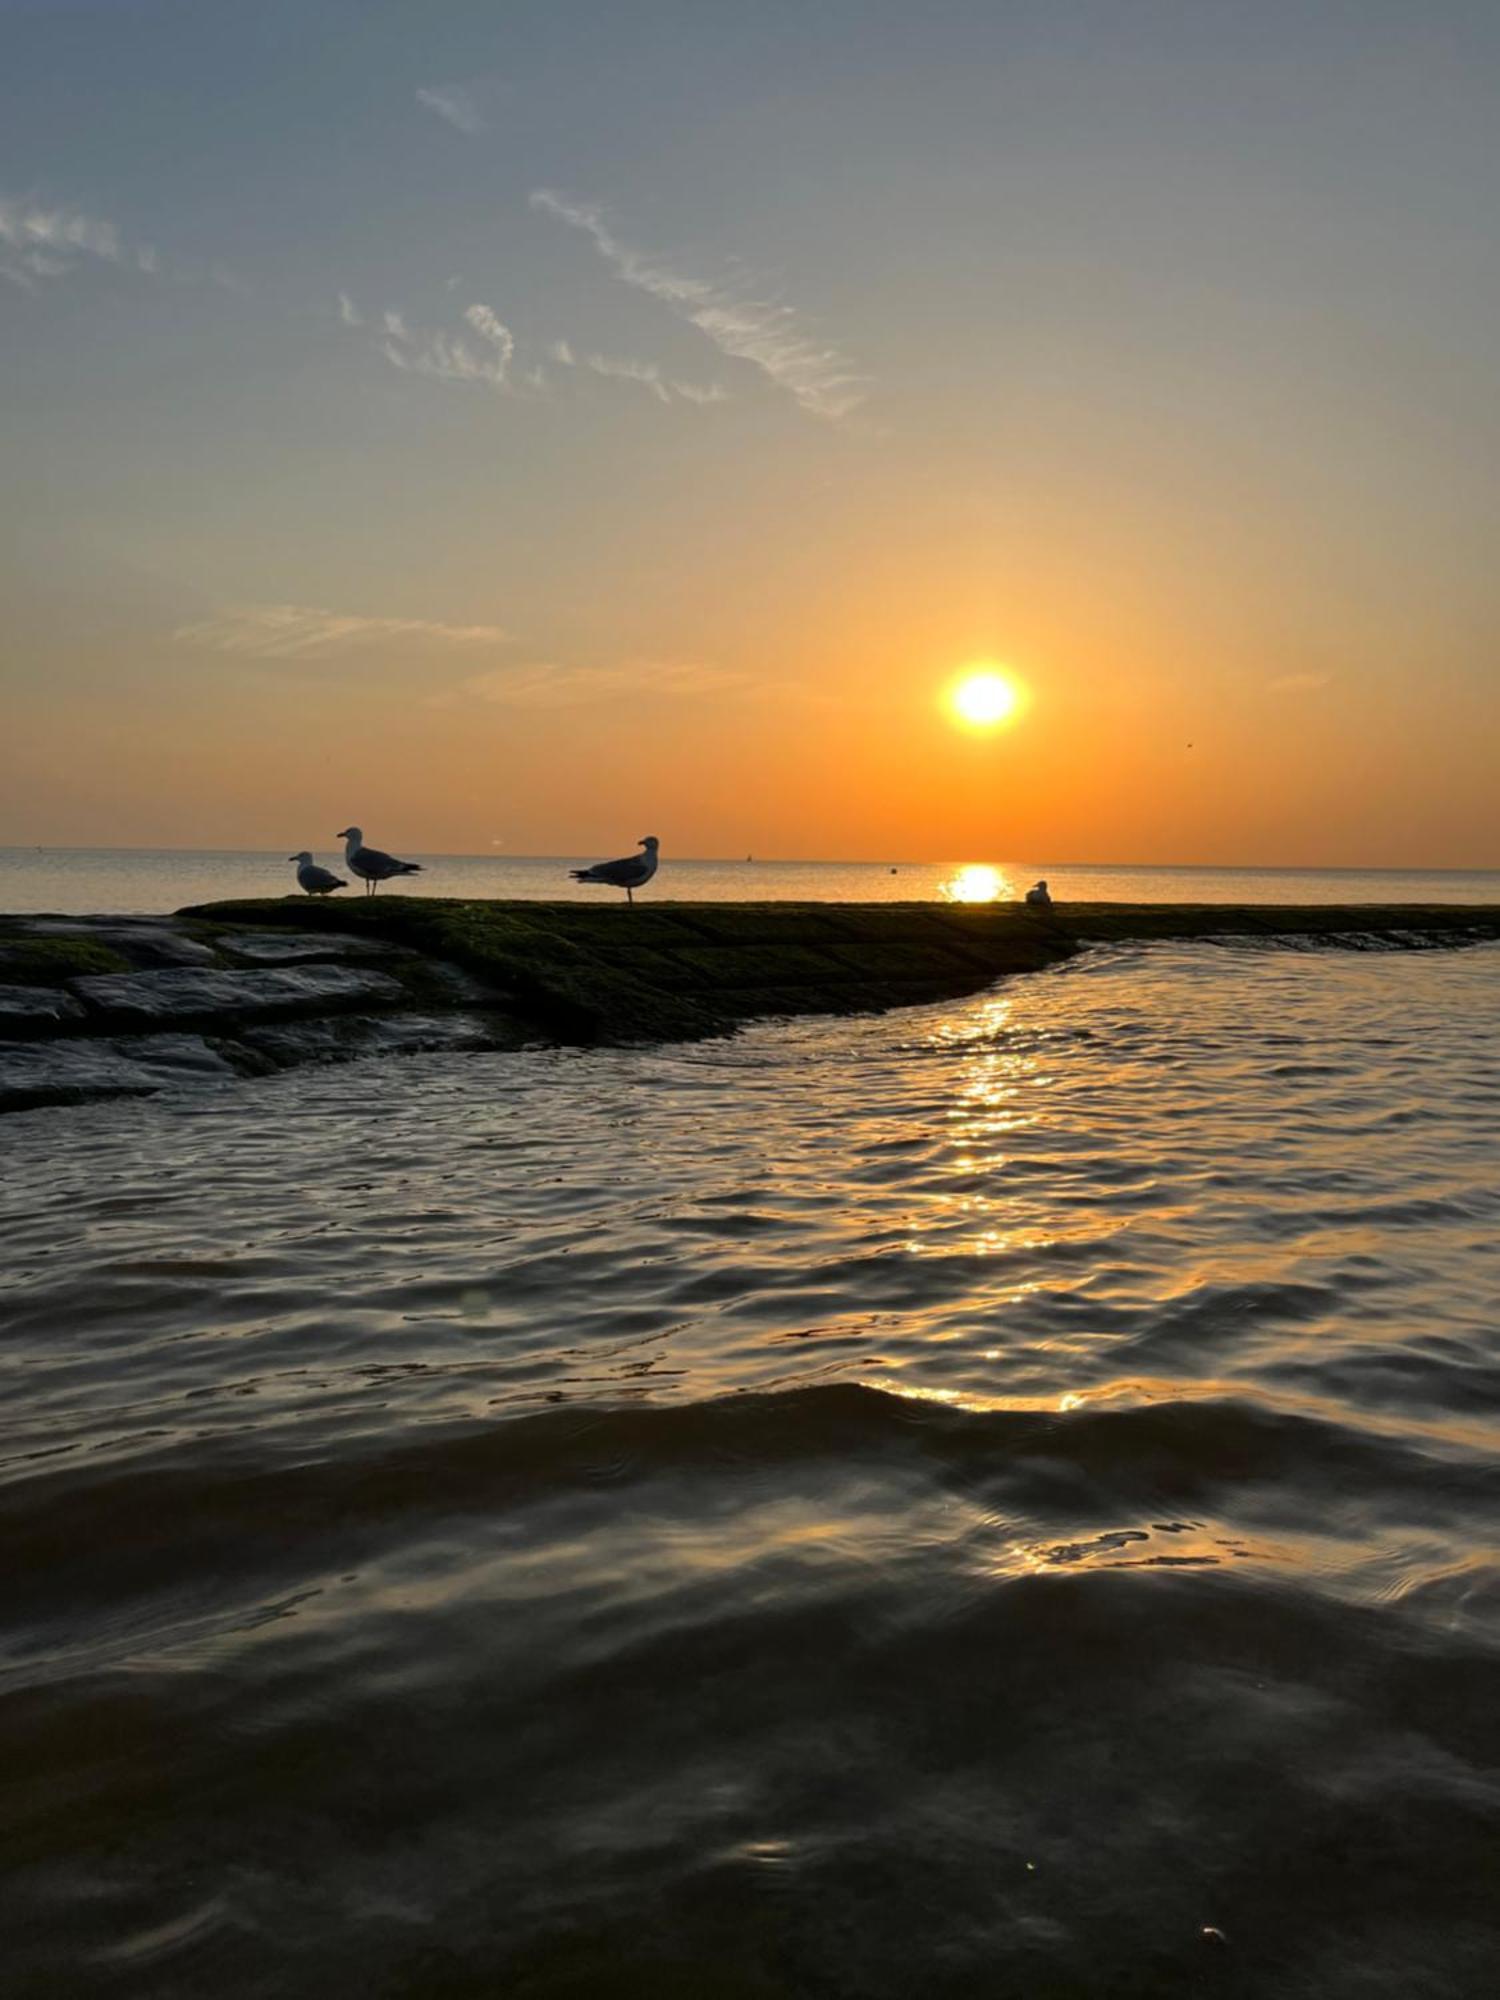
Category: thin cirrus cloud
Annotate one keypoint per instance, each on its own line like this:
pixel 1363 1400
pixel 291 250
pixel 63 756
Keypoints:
pixel 819 377
pixel 487 354
pixel 647 373
pixel 39 242
pixel 455 104
pixel 308 632
pixel 542 684
pixel 483 355
pixel 1299 683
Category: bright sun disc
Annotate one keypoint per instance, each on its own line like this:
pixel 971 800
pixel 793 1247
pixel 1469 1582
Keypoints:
pixel 984 700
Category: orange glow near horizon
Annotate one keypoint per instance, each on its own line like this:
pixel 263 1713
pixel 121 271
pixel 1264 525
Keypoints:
pixel 983 698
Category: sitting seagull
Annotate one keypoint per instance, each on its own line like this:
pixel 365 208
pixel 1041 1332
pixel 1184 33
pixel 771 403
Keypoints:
pixel 1038 897
pixel 369 864
pixel 315 880
pixel 630 872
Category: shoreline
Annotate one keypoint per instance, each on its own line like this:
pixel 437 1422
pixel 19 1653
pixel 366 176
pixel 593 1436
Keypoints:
pixel 104 1006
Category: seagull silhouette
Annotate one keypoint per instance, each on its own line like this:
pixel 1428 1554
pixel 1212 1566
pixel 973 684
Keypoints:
pixel 630 872
pixel 370 864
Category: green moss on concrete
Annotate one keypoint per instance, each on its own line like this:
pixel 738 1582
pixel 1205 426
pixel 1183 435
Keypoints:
pixel 51 961
pixel 673 971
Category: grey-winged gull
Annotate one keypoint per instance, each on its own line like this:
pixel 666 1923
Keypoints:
pixel 369 864
pixel 630 872
pixel 315 880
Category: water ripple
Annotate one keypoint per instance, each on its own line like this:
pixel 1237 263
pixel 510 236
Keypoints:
pixel 999 1497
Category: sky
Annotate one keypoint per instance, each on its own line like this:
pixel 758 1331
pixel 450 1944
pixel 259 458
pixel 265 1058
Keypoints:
pixel 522 427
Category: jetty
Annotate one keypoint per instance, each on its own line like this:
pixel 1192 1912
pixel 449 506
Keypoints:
pixel 113 1006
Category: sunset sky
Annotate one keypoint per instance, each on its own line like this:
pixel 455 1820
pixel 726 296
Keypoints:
pixel 534 425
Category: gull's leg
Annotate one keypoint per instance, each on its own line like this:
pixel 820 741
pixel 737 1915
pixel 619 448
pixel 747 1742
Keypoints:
pixel 629 893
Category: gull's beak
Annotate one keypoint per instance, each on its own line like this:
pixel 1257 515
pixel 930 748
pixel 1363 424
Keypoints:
pixel 294 857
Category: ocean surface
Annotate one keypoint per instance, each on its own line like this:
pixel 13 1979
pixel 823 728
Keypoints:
pixel 142 881
pixel 998 1499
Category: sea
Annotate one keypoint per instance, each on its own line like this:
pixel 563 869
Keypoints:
pixel 995 1499
pixel 142 881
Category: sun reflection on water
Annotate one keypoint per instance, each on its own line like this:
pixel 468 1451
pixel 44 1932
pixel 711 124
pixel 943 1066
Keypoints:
pixel 976 882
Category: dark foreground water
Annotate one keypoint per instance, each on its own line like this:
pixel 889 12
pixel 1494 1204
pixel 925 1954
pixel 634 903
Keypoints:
pixel 995 1500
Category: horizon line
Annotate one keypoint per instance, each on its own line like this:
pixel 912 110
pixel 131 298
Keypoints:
pixel 835 861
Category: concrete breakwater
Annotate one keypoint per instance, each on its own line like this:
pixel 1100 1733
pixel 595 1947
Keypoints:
pixel 115 1006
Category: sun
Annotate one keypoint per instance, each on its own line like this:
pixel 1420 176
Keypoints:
pixel 984 699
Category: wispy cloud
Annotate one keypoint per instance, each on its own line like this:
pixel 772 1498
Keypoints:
pixel 771 336
pixel 454 103
pixel 38 241
pixel 307 632
pixel 693 392
pixel 485 355
pixel 1298 683
pixel 650 376
pixel 542 684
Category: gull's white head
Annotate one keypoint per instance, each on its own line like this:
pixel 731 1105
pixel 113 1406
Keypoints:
pixel 300 858
pixel 351 833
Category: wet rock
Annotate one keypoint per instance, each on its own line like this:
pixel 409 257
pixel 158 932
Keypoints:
pixel 72 1070
pixel 187 993
pixel 140 942
pixel 35 1010
pixel 352 1035
pixel 287 948
pixel 456 986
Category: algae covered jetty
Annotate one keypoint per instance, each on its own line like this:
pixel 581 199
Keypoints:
pixel 124 1006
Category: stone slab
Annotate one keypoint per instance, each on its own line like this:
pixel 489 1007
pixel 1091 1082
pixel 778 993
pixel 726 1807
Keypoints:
pixel 71 1070
pixel 36 1010
pixel 143 943
pixel 227 998
pixel 352 1035
pixel 293 948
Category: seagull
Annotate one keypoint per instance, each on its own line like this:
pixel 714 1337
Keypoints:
pixel 315 880
pixel 369 864
pixel 1038 897
pixel 630 872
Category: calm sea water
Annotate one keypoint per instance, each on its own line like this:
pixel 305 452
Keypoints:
pixel 998 1499
pixel 139 881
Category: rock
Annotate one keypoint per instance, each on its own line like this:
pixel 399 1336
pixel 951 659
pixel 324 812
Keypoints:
pixel 187 993
pixel 72 1070
pixel 140 941
pixel 35 1010
pixel 457 986
pixel 341 1040
pixel 287 948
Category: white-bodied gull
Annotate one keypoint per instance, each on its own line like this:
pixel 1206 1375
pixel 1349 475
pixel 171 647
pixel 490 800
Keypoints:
pixel 315 880
pixel 369 864
pixel 630 872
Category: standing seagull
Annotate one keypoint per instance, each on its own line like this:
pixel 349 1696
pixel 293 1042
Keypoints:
pixel 315 880
pixel 369 864
pixel 630 872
